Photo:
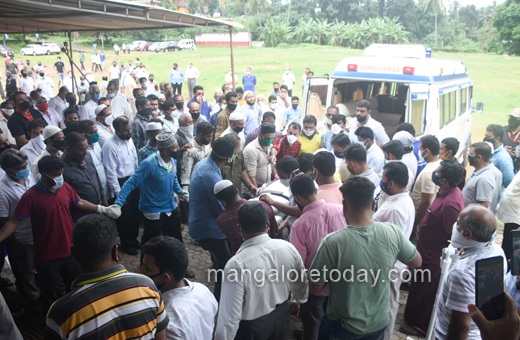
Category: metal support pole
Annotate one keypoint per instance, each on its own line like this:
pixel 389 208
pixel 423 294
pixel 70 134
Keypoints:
pixel 232 57
pixel 71 65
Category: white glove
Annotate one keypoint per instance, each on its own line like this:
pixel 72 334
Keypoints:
pixel 185 196
pixel 113 211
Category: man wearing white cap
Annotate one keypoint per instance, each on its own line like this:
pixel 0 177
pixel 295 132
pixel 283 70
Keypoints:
pixel 153 128
pixel 104 119
pixel 54 140
pixel 157 177
pixel 236 127
pixel 408 157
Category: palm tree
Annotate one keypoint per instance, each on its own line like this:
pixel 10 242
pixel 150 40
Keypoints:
pixel 438 8
pixel 244 3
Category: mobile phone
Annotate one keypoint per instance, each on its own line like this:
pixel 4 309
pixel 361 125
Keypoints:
pixel 515 252
pixel 490 287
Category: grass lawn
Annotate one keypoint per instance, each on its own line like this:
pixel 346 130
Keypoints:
pixel 495 77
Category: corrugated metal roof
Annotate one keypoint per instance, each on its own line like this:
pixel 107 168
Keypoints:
pixel 46 16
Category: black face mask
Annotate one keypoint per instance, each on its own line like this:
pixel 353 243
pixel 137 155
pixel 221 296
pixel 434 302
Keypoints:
pixel 232 107
pixel 195 115
pixel 179 105
pixel 25 105
pixel 146 112
pixel 299 206
pixel 513 122
pixel 338 154
pixel 490 140
pixel 361 118
pixel 471 160
pixel 59 144
pixel 205 141
pixel 174 155
pixel 238 129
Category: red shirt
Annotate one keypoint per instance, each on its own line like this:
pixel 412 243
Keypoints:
pixel 436 227
pixel 228 223
pixel 284 149
pixel 50 219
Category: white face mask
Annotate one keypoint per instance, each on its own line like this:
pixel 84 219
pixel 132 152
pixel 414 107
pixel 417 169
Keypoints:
pixel 175 114
pixel 223 107
pixel 460 242
pixel 308 133
pixel 274 106
pixel 285 182
pixel 39 141
pixel 336 129
pixel 109 120
pixel 291 139
pixel 328 121
pixel 8 111
pixel 187 131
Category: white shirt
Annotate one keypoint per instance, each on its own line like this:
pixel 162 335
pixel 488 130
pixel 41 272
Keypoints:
pixel 26 84
pixel 9 197
pixel 103 88
pixel 411 162
pixel 192 72
pixel 104 133
pixel 52 118
pixel 288 80
pixel 240 135
pixel 374 178
pixel 399 210
pixel 508 211
pixel 120 161
pixel 376 159
pixel 5 129
pixel 68 82
pixel 323 126
pixel 150 87
pixel 191 310
pixel 383 196
pixel 114 72
pixel 88 111
pixel 120 107
pixel 58 105
pixel 142 73
pixel 247 299
pixel 97 157
pixel 46 84
pixel 380 136
pixel 34 166
pixel 213 108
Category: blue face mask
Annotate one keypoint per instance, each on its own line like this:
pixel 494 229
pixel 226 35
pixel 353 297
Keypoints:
pixel 384 187
pixel 96 96
pixel 295 106
pixel 22 174
pixel 436 179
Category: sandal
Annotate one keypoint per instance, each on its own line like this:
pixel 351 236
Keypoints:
pixel 410 330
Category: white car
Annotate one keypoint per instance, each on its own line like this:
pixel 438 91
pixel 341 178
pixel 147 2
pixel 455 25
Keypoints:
pixel 33 49
pixel 187 44
pixel 51 48
pixel 136 43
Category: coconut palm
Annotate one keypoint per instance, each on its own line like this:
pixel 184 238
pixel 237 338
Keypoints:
pixel 438 7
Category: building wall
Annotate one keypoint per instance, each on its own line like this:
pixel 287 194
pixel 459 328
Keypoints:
pixel 240 39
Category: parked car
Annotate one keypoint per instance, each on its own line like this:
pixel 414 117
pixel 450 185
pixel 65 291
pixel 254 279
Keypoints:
pixel 187 44
pixel 144 47
pixel 167 46
pixel 153 47
pixel 33 49
pixel 51 48
pixel 4 52
pixel 134 44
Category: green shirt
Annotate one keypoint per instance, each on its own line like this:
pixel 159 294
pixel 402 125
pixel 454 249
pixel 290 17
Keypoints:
pixel 362 304
pixel 81 57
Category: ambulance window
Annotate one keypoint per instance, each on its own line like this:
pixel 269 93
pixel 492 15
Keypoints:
pixel 441 110
pixel 463 100
pixel 370 90
pixel 417 115
pixel 393 90
pixel 453 105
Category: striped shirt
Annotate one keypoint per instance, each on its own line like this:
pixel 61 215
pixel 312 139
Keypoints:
pixel 109 304
pixel 459 289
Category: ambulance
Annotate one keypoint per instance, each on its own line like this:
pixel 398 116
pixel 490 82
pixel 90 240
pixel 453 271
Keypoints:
pixel 403 85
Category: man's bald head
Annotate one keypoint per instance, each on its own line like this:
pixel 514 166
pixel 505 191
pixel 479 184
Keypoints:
pixel 477 222
pixel 194 106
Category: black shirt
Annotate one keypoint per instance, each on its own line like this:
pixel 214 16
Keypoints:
pixel 59 66
pixel 17 123
pixel 85 181
pixel 10 85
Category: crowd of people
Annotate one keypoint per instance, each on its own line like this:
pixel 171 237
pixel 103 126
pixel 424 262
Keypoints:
pixel 318 220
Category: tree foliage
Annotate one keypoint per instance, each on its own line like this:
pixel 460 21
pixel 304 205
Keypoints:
pixel 507 23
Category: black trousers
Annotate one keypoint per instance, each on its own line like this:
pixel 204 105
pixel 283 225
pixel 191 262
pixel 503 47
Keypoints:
pixel 169 225
pixel 22 259
pixel 506 241
pixel 220 255
pixel 184 208
pixel 177 88
pixel 82 65
pixel 49 271
pixel 128 223
pixel 311 313
pixel 273 326
pixel 289 93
